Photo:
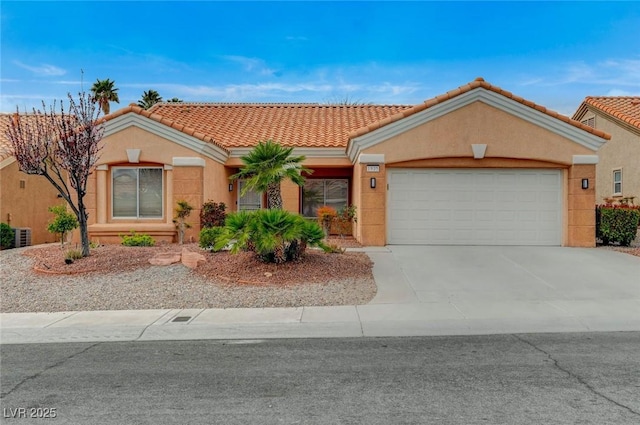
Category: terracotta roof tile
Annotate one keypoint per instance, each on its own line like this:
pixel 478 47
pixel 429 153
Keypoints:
pixel 302 125
pixel 5 145
pixel 624 108
pixel 6 149
pixel 165 120
pixel 478 82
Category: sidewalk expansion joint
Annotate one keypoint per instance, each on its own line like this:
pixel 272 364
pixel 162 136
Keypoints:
pixel 60 320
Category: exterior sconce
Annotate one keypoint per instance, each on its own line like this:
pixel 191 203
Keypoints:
pixel 585 183
pixel 230 187
pixel 372 182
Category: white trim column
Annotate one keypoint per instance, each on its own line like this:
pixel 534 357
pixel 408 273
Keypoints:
pixel 169 193
pixel 102 191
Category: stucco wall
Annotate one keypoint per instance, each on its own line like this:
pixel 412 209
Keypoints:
pixel 28 206
pixel 622 151
pixel 193 183
pixel 511 143
pixel 505 135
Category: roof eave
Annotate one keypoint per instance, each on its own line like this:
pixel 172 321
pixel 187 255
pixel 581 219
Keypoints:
pixel 573 131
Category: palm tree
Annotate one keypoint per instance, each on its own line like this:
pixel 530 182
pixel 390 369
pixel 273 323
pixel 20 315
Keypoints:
pixel 266 166
pixel 149 98
pixel 175 100
pixel 103 92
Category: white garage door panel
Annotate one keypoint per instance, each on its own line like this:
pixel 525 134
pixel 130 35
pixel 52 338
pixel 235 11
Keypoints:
pixel 475 207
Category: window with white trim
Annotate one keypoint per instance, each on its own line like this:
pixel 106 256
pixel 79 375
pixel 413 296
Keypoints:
pixel 250 201
pixel 319 192
pixel 617 181
pixel 137 192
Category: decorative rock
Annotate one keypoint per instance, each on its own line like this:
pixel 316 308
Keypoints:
pixel 191 259
pixel 165 258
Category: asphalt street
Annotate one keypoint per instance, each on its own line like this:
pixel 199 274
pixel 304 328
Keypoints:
pixel 569 378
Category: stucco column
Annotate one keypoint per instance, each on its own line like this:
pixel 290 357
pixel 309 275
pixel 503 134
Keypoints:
pixel 581 205
pixel 372 208
pixel 102 193
pixel 169 195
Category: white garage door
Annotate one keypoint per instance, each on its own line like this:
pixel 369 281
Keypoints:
pixel 474 207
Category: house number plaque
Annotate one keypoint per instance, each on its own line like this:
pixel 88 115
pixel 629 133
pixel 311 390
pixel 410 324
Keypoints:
pixel 373 168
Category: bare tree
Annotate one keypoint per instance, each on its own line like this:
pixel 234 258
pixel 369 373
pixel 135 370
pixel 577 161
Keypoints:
pixel 345 101
pixel 62 147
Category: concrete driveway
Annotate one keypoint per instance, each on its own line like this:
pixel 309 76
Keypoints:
pixel 541 288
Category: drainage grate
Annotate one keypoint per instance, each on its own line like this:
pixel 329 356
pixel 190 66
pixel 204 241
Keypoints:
pixel 182 319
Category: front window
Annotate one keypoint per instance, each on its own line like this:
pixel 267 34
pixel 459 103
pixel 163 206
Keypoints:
pixel 137 192
pixel 250 201
pixel 617 182
pixel 318 192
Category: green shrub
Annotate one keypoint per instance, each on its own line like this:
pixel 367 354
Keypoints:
pixel 617 223
pixel 209 237
pixel 7 236
pixel 276 236
pixel 134 239
pixel 63 221
pixel 213 214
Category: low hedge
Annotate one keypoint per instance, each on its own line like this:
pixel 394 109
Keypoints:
pixel 617 223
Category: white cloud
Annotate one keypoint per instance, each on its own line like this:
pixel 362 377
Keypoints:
pixel 296 38
pixel 617 72
pixel 254 65
pixel 619 92
pixel 44 69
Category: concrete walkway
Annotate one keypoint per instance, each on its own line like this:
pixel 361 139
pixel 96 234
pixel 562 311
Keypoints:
pixel 422 291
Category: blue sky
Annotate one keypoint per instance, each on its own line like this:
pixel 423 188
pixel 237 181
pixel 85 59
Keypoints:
pixel 553 53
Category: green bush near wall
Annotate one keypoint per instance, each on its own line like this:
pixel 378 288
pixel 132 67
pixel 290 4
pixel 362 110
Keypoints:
pixel 135 239
pixel 617 223
pixel 7 236
pixel 209 236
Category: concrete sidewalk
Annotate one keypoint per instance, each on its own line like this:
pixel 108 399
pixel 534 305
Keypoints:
pixel 408 303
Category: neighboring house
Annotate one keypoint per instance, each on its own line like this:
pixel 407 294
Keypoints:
pixel 477 165
pixel 618 171
pixel 24 199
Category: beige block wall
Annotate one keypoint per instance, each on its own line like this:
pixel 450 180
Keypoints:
pixel 28 206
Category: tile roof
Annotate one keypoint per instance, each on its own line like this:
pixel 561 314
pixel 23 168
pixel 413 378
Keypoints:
pixel 5 144
pixel 230 125
pixel 478 82
pixel 6 149
pixel 624 108
pixel 291 124
pixel 180 126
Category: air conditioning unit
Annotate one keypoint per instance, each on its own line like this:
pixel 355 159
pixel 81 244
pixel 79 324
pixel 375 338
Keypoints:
pixel 23 236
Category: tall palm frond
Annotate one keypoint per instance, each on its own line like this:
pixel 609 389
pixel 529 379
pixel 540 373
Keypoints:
pixel 266 166
pixel 103 92
pixel 149 98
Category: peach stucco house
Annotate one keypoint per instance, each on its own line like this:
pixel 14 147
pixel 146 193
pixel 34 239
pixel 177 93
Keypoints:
pixel 618 170
pixel 477 165
pixel 24 199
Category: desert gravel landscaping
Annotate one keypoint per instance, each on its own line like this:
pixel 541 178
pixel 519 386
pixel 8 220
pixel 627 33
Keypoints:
pixel 115 277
